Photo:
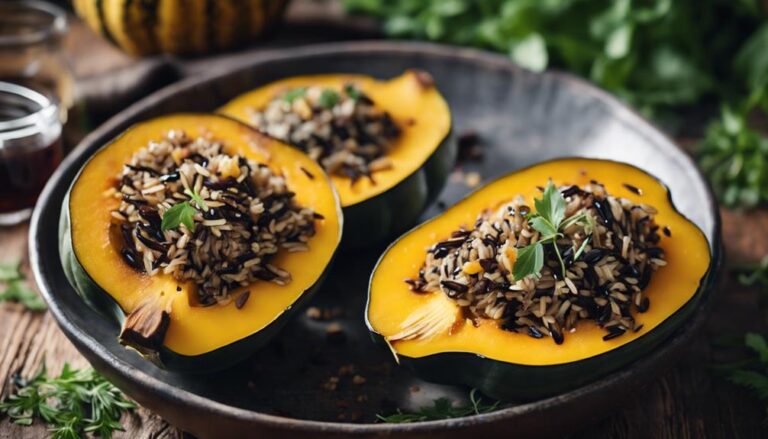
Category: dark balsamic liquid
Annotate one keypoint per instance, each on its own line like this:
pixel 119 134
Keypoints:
pixel 24 173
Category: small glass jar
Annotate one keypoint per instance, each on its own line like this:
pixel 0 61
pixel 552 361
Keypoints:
pixel 30 148
pixel 31 50
pixel 36 92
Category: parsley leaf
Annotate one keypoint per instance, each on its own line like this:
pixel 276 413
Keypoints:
pixel 442 408
pixel 735 159
pixel 530 260
pixel 181 213
pixel 551 209
pixel 656 54
pixel 549 220
pixel 76 402
pixel 294 94
pixel 197 199
pixel 329 98
pixel 543 226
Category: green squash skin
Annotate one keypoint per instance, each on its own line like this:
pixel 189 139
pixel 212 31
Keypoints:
pixel 219 359
pixel 216 360
pixel 516 382
pixel 390 213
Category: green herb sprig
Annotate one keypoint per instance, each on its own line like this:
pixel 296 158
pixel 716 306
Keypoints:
pixel 16 288
pixel 77 402
pixel 352 91
pixel 549 220
pixel 329 98
pixel 735 159
pixel 752 372
pixel 442 408
pixel 753 274
pixel 181 213
pixel 294 94
pixel 656 54
pixel 184 212
pixel 659 55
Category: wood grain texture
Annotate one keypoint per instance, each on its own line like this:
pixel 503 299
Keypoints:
pixel 687 402
pixel 28 339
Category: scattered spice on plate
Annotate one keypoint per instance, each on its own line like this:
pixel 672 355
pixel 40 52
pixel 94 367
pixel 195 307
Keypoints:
pixel 334 333
pixel 470 146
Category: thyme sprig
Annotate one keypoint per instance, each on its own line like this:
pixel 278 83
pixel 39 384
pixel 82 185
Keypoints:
pixel 442 408
pixel 77 402
pixel 16 288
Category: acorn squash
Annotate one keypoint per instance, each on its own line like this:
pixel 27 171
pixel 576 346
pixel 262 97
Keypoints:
pixel 422 156
pixel 179 26
pixel 185 335
pixel 515 365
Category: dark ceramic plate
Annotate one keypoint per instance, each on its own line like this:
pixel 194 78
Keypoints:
pixel 521 117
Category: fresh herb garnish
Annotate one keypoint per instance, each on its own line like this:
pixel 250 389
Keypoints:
pixel 329 98
pixel 735 158
pixel 181 213
pixel 294 94
pixel 549 220
pixel 16 288
pixel 196 198
pixel 77 402
pixel 352 91
pixel 18 291
pixel 660 55
pixel 754 273
pixel 656 54
pixel 10 271
pixel 529 262
pixel 442 408
pixel 751 372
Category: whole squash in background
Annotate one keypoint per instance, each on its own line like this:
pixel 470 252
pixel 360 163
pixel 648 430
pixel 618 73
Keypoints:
pixel 142 27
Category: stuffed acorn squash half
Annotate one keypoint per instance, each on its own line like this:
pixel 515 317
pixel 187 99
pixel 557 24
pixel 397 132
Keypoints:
pixel 383 143
pixel 541 281
pixel 200 235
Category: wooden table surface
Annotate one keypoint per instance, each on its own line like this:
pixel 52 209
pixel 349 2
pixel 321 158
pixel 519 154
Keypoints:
pixel 687 402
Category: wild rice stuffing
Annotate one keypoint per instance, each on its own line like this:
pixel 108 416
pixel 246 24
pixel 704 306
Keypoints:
pixel 248 215
pixel 340 129
pixel 605 283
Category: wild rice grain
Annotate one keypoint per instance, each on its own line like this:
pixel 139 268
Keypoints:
pixel 233 240
pixel 342 129
pixel 604 284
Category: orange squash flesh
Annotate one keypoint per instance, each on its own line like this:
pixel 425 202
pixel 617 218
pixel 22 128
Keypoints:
pixel 671 288
pixel 196 330
pixel 418 109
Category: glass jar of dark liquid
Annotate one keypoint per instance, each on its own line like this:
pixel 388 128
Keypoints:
pixel 30 148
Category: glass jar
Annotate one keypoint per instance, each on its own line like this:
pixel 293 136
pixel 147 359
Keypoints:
pixel 36 92
pixel 31 52
pixel 30 149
